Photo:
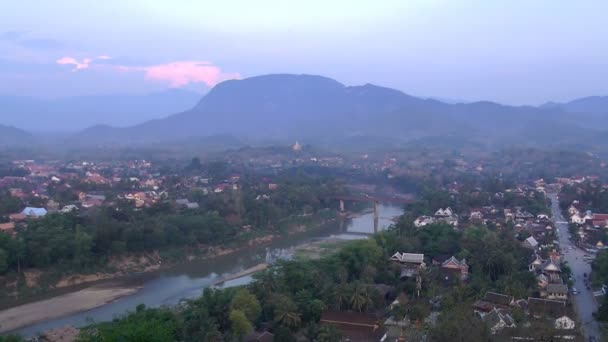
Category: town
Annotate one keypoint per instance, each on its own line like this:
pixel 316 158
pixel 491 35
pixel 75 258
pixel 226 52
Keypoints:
pixel 491 254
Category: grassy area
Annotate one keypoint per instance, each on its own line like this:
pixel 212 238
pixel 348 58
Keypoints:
pixel 319 249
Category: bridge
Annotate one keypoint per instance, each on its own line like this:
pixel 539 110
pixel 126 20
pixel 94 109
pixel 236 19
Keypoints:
pixel 375 200
pixel 372 198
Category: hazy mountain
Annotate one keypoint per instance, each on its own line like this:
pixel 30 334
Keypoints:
pixel 590 105
pixel 11 135
pixel 77 113
pixel 305 107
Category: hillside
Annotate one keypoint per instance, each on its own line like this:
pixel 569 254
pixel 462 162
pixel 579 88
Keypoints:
pixel 11 136
pixel 306 107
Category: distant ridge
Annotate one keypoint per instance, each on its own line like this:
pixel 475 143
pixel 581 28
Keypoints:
pixel 283 108
pixel 11 136
pixel 80 112
pixel 288 107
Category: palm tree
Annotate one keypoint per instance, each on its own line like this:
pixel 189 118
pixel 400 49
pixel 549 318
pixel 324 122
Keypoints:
pixel 360 297
pixel 288 317
pixel 341 295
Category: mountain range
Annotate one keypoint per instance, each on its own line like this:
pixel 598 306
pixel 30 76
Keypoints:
pixel 285 107
pixel 73 114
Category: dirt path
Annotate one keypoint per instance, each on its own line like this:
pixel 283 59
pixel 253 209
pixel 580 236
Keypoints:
pixel 83 300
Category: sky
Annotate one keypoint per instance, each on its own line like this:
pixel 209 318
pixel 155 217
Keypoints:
pixel 513 52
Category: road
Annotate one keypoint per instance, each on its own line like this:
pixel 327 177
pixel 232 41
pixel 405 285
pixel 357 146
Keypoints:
pixel 584 302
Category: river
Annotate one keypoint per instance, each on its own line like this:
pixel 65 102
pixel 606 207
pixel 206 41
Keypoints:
pixel 185 281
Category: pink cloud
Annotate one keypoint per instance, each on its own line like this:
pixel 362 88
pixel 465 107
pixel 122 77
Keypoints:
pixel 85 63
pixel 181 73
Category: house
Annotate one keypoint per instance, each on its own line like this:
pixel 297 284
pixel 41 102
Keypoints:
pixel 572 210
pixel 459 267
pixel 34 212
pixel 536 263
pixel 530 243
pixel 68 209
pixel 522 216
pixel 552 269
pixel 447 212
pixel 556 292
pixel 446 215
pixel 546 308
pixel 17 217
pixel 492 300
pixel 498 319
pixel 355 326
pixel 542 281
pixel 588 216
pixel 576 218
pixel 542 217
pixel 410 263
pixel 476 216
pixel 423 221
pixel 8 227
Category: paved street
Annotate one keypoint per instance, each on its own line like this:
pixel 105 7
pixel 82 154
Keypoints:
pixel 584 302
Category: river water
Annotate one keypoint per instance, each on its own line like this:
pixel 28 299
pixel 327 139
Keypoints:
pixel 186 281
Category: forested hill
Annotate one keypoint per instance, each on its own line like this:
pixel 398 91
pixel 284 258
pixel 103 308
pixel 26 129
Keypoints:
pixel 289 107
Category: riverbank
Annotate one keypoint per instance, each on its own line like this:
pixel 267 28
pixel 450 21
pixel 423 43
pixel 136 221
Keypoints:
pixel 33 285
pixel 318 249
pixel 79 301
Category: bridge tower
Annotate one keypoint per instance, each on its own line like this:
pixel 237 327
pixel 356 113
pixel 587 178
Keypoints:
pixel 376 213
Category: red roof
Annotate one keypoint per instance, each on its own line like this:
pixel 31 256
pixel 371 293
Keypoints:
pixel 598 217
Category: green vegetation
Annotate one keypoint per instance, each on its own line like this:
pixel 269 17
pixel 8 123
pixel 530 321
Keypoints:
pixel 81 243
pixel 291 295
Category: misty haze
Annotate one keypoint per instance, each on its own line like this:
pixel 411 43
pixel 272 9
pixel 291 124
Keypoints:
pixel 319 171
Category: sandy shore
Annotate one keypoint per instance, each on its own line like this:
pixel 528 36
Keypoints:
pixel 83 300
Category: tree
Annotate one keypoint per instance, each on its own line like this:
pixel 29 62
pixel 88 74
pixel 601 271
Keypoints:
pixel 247 303
pixel 283 334
pixel 239 323
pixel 154 325
pixel 399 311
pixel 83 243
pixel 360 298
pixel 328 333
pixel 286 312
pixel 3 261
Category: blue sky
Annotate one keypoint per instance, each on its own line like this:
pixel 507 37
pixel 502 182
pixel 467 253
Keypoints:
pixel 516 52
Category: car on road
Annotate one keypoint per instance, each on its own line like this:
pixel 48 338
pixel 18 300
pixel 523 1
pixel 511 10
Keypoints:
pixel 574 291
pixel 585 274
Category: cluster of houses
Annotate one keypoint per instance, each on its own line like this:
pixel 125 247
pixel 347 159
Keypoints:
pixel 590 225
pixel 496 310
pixel 589 218
pixel 446 215
pixel 539 226
pixel 66 187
